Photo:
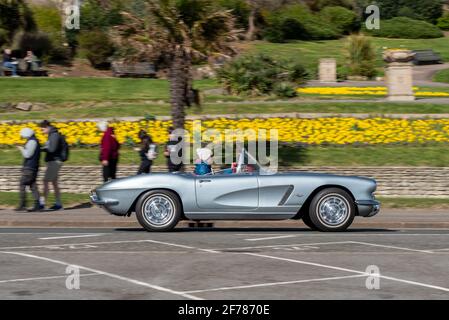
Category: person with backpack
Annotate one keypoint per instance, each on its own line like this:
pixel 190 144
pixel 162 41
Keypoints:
pixel 31 155
pixel 56 150
pixel 147 152
pixel 109 151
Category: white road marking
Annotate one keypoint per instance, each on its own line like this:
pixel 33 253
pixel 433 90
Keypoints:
pixel 111 275
pixel 271 238
pixel 77 236
pixel 282 245
pixel 391 247
pixel 72 244
pixel 46 278
pixel 348 270
pixel 269 284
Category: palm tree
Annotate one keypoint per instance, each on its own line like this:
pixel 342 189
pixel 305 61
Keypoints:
pixel 177 32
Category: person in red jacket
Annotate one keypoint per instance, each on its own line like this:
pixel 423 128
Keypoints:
pixel 109 151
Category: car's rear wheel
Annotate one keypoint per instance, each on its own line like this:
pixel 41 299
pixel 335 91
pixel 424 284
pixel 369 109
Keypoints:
pixel 158 210
pixel 332 210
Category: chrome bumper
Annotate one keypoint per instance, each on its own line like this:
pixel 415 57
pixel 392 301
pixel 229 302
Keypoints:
pixel 101 202
pixel 368 208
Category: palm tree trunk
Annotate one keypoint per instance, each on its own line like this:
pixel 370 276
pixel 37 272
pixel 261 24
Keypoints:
pixel 251 25
pixel 179 86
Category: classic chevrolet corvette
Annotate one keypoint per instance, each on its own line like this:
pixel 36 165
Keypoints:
pixel 160 200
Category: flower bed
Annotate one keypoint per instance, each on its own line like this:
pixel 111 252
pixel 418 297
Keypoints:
pixel 372 91
pixel 333 131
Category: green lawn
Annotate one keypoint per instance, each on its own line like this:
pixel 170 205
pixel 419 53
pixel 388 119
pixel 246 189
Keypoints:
pixel 400 155
pixel 442 76
pixel 309 52
pixel 304 106
pixel 11 199
pixel 58 90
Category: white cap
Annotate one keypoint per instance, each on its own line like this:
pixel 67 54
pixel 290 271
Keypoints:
pixel 102 126
pixel 204 154
pixel 26 133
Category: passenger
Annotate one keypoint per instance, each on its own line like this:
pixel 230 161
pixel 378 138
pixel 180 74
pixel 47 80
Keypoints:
pixel 203 164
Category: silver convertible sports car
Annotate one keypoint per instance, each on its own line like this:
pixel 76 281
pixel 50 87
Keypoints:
pixel 250 192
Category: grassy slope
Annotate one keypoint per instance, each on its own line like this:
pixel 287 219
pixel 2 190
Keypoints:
pixel 57 90
pixel 435 155
pixel 309 52
pixel 142 110
pixel 442 76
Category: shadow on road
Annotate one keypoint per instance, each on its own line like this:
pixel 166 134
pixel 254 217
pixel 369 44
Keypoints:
pixel 262 229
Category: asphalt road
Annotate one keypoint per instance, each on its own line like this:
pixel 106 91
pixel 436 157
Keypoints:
pixel 257 263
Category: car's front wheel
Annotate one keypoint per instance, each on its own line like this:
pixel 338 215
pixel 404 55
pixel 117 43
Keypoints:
pixel 158 210
pixel 332 210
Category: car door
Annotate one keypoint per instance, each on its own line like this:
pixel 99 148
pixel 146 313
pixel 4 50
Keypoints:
pixel 239 192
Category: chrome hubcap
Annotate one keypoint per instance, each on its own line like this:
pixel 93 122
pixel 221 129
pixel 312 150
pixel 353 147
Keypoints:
pixel 158 210
pixel 333 210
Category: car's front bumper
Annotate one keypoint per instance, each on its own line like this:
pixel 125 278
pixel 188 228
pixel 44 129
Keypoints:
pixel 368 208
pixel 102 202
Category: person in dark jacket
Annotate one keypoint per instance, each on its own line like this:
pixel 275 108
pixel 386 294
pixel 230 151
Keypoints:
pixel 147 152
pixel 31 155
pixel 109 151
pixel 173 152
pixel 53 158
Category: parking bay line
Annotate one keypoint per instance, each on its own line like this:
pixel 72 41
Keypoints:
pixel 323 266
pixel 272 238
pixel 391 247
pixel 111 275
pixel 269 284
pixel 350 270
pixel 46 278
pixel 218 251
pixel 76 236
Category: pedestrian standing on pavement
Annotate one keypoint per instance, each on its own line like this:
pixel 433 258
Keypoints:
pixel 55 148
pixel 173 152
pixel 31 153
pixel 147 152
pixel 109 151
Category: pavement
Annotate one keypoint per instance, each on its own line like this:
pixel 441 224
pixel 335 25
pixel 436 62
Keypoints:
pixel 85 216
pixel 224 263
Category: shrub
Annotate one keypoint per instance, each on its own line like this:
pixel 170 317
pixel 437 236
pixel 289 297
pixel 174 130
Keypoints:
pixel 97 47
pixel 427 10
pixel 406 28
pixel 38 42
pixel 285 90
pixel 360 56
pixel 240 10
pixel 48 20
pixel 261 75
pixel 297 22
pixel 443 22
pixel 99 14
pixel 15 16
pixel 343 19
